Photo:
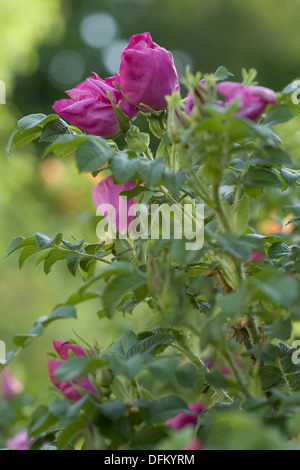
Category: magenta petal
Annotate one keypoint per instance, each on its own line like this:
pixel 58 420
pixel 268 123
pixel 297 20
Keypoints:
pixel 63 348
pixel 19 441
pixel 181 420
pixel 107 199
pixel 197 407
pixel 66 388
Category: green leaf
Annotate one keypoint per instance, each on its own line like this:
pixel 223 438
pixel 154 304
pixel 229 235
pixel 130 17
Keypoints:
pixel 164 369
pixel 73 261
pixel 160 409
pixel 277 250
pixel 19 242
pixel 26 253
pixel 64 437
pixel 65 311
pixel 35 331
pixel 271 377
pixel 278 114
pixel 19 139
pixel 41 420
pixel 118 287
pixel 275 286
pixel 261 177
pixel 126 342
pixel 150 344
pixel 187 375
pixel 113 410
pixel 173 181
pixel 65 145
pixel 137 141
pixel 124 168
pixel 281 328
pixel 128 367
pixel 72 368
pixel 54 129
pixel 151 171
pixel 43 241
pixel 222 73
pixel 36 120
pixel 54 256
pixel 240 216
pixel 93 154
pixel 289 177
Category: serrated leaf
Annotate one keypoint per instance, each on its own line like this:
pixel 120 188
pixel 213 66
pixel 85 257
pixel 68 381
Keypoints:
pixel 26 253
pixel 277 250
pixel 289 177
pixel 150 344
pixel 93 154
pixel 124 168
pixel 73 261
pixel 65 145
pixel 43 241
pixel 271 376
pixel 222 73
pixel 52 258
pixel 118 287
pixel 19 242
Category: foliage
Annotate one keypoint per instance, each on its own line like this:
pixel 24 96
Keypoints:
pixel 213 307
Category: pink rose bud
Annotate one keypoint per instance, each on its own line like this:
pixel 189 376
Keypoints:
pixel 10 385
pixel 67 388
pixel 253 99
pixel 183 419
pixel 147 72
pixel 90 108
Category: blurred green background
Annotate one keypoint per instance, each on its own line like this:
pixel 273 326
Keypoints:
pixel 49 46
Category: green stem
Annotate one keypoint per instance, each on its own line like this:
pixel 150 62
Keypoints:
pixel 237 374
pixel 254 333
pixel 86 255
pixel 219 209
pixel 200 364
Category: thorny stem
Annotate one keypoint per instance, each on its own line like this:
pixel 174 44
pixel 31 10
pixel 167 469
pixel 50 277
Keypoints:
pixel 237 374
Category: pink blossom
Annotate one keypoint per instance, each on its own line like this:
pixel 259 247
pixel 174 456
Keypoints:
pixel 10 385
pixel 67 387
pixel 183 419
pixel 19 441
pixel 90 107
pixel 253 99
pixel 147 72
pixel 107 199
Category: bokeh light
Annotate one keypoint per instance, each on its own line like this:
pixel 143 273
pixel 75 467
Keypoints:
pixel 66 68
pixel 98 29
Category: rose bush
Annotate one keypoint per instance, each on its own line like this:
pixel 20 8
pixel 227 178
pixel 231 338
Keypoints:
pixel 215 365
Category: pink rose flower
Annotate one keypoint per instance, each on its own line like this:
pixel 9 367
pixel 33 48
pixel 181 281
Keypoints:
pixel 10 385
pixel 67 388
pixel 19 441
pixel 184 419
pixel 90 108
pixel 253 99
pixel 147 72
pixel 106 196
